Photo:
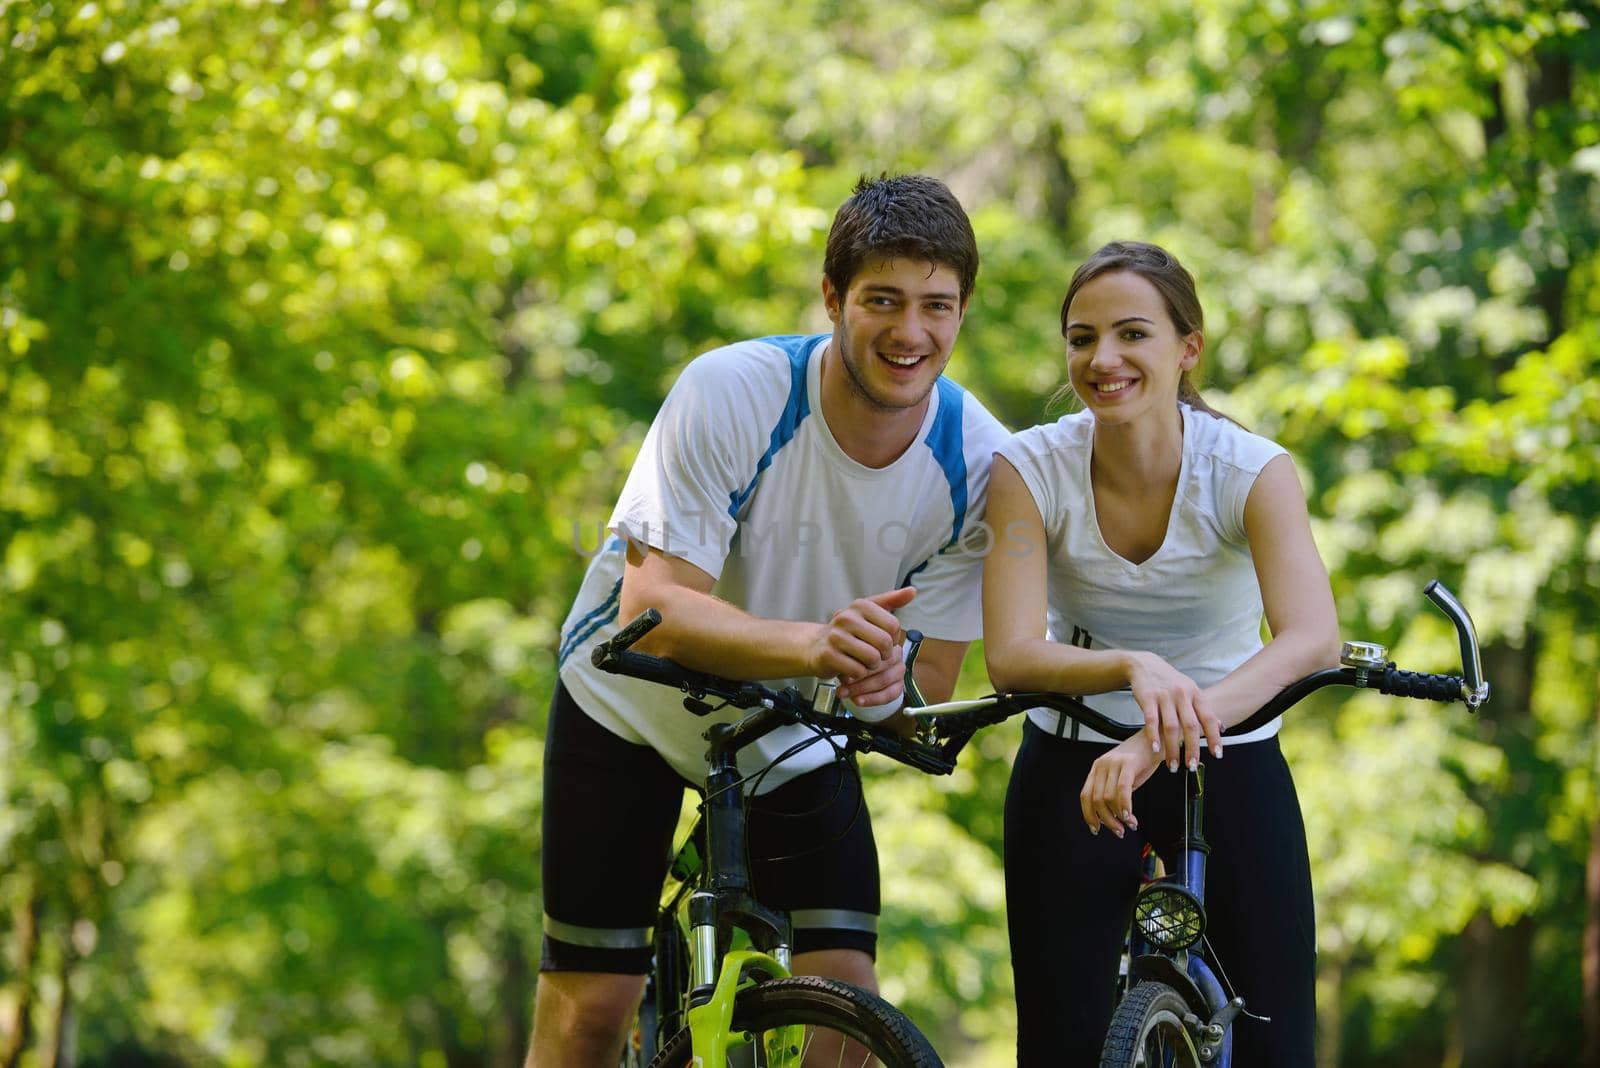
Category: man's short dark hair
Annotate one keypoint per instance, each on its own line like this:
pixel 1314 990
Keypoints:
pixel 908 215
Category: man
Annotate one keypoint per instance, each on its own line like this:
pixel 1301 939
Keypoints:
pixel 798 501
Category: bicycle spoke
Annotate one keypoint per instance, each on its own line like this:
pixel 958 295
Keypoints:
pixel 826 1048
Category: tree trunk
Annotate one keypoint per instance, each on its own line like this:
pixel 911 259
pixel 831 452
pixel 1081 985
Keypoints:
pixel 1493 995
pixel 1492 985
pixel 1061 186
pixel 1330 1011
pixel 66 1026
pixel 516 994
pixel 1591 949
pixel 16 1032
pixel 1551 88
pixel 58 1048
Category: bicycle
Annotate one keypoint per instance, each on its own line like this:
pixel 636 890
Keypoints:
pixel 1173 1010
pixel 710 1000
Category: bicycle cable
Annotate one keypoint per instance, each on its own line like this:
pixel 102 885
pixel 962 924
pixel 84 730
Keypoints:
pixel 757 777
pixel 1187 779
pixel 840 754
pixel 1205 939
pixel 1232 991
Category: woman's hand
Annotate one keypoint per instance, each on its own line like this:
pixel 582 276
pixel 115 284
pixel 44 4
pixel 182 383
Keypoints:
pixel 1176 711
pixel 1107 794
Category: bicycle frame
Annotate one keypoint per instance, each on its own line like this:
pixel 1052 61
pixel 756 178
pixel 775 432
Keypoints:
pixel 1189 973
pixel 720 901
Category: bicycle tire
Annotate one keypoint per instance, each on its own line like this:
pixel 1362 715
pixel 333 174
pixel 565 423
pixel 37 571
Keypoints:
pixel 1147 1031
pixel 889 1037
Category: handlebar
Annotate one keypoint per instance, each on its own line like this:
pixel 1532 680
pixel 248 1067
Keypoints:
pixel 946 727
pixel 616 657
pixel 1476 687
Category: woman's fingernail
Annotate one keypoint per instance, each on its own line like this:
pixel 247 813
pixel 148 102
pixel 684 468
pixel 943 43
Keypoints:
pixel 1155 746
pixel 1094 830
pixel 1194 762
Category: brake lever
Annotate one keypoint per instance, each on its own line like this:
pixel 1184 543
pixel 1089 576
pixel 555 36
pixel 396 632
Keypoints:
pixel 913 695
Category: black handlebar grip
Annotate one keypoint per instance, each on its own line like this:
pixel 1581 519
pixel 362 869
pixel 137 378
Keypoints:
pixel 607 654
pixel 642 624
pixel 1414 684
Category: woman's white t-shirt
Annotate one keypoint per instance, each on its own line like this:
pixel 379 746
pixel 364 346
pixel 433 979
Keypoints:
pixel 1196 602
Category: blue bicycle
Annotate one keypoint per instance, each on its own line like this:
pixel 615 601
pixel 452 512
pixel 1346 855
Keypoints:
pixel 1173 1010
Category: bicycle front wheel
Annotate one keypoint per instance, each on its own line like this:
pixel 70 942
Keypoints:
pixel 1147 1031
pixel 810 1020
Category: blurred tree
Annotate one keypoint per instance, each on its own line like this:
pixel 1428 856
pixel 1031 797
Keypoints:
pixel 304 309
pixel 328 329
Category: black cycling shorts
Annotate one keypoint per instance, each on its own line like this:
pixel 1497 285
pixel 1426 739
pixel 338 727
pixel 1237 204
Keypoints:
pixel 610 808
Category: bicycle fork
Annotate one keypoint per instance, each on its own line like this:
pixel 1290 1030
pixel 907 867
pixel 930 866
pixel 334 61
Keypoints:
pixel 716 977
pixel 1169 919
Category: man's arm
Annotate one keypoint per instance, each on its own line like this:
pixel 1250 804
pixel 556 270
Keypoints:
pixel 708 634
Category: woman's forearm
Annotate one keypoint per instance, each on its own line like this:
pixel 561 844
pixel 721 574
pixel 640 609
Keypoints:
pixel 1282 661
pixel 1041 664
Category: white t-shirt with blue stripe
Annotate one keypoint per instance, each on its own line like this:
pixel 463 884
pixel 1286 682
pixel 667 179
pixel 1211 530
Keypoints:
pixel 740 475
pixel 1196 602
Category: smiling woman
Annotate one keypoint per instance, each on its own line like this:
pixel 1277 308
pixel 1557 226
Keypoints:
pixel 1124 353
pixel 1152 535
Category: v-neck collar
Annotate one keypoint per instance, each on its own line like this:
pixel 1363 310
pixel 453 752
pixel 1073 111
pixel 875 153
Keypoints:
pixel 1172 512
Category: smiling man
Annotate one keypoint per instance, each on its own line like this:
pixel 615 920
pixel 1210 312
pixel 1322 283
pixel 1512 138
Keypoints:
pixel 798 503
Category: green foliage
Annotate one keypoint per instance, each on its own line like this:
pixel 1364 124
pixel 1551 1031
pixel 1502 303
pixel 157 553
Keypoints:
pixel 327 330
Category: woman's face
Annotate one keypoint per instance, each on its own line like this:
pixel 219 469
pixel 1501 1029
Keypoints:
pixel 1124 356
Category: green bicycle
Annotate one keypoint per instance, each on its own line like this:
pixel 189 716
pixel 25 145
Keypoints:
pixel 720 993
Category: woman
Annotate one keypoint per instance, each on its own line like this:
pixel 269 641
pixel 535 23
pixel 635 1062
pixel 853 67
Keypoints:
pixel 1149 532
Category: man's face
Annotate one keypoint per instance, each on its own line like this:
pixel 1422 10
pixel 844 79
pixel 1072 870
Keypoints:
pixel 894 328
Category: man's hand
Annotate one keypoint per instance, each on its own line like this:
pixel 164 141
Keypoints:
pixel 881 687
pixel 862 642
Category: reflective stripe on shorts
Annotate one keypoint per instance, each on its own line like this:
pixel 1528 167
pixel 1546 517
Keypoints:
pixel 597 937
pixel 834 920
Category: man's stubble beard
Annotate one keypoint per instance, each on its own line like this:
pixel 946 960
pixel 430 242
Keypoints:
pixel 858 384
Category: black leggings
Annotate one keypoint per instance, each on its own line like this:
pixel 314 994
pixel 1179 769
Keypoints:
pixel 1069 895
